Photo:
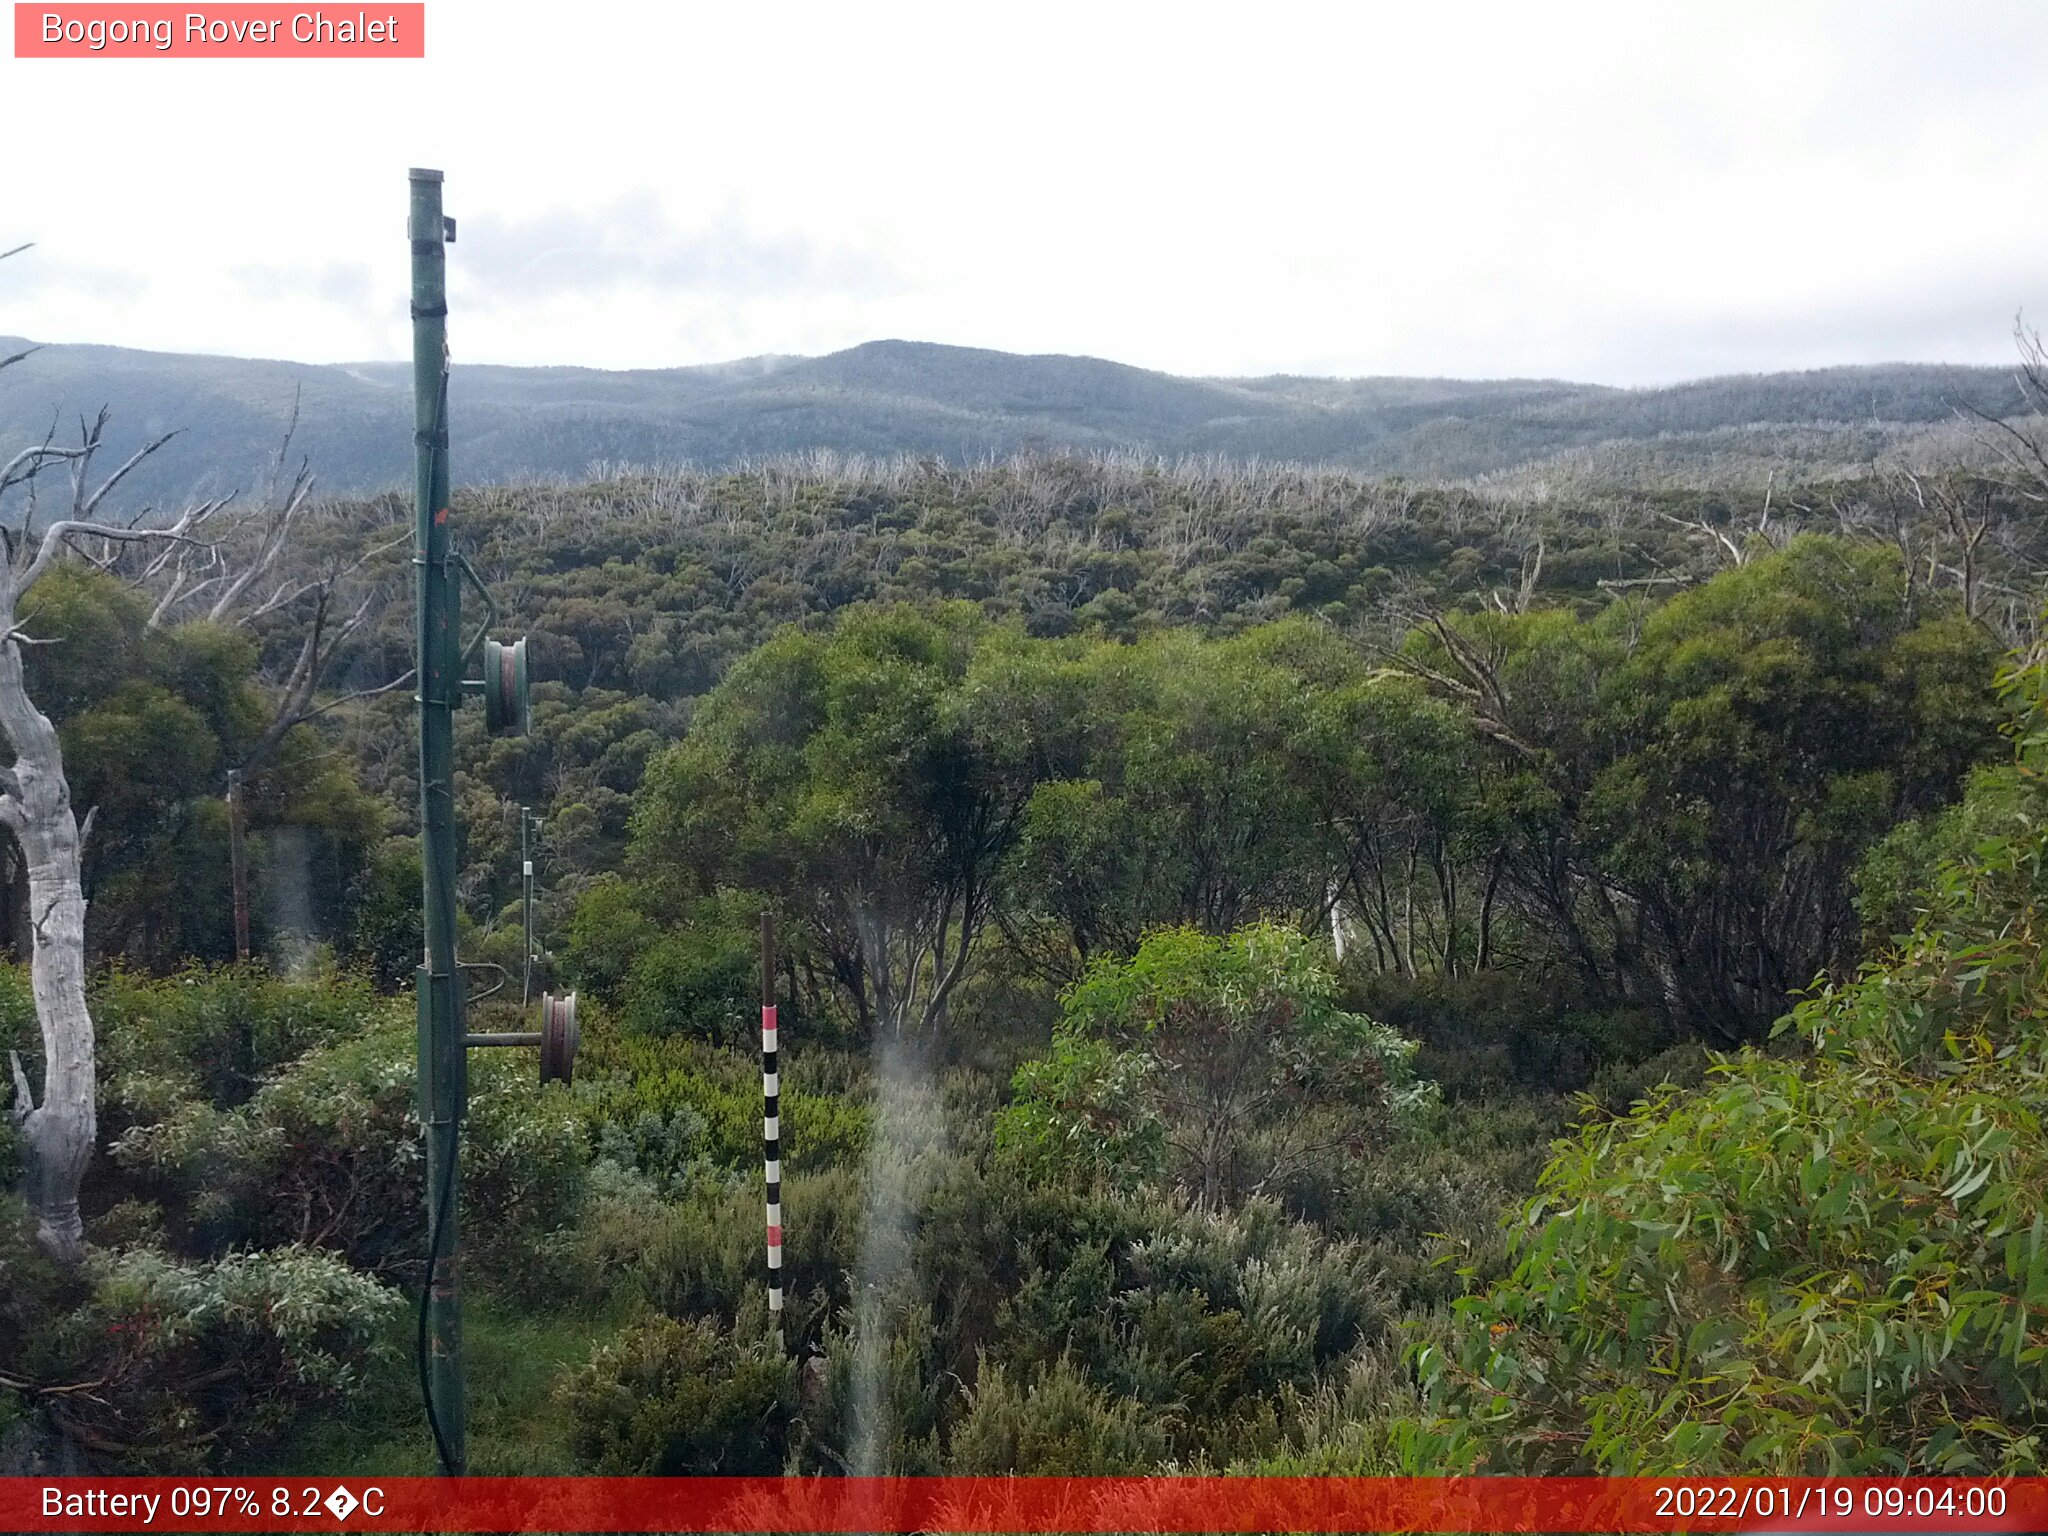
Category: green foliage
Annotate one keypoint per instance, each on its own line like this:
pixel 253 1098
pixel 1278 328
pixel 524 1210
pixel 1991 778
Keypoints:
pixel 1825 1265
pixel 879 1405
pixel 1131 732
pixel 150 719
pixel 1437 1195
pixel 1182 789
pixel 642 591
pixel 384 932
pixel 1229 1053
pixel 1082 1115
pixel 265 1112
pixel 699 984
pixel 18 1033
pixel 1057 1424
pixel 861 779
pixel 696 1251
pixel 190 1362
pixel 216 1033
pixel 1500 1032
pixel 226 1352
pixel 662 1104
pixel 669 1398
pixel 607 934
pixel 1695 783
pixel 703 981
pixel 1667 799
pixel 1212 1320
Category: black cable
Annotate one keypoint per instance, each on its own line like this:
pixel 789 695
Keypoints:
pixel 436 1230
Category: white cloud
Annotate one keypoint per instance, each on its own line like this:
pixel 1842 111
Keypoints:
pixel 1618 192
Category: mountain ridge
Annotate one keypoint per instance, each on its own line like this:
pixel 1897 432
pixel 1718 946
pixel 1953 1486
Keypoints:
pixel 893 397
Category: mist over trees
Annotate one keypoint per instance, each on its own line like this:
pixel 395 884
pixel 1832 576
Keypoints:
pixel 964 405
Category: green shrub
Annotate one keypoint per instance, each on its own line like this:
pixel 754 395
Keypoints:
pixel 1497 1034
pixel 606 934
pixel 1619 1086
pixel 18 1033
pixel 196 1362
pixel 1351 1426
pixel 215 1034
pixel 1058 1424
pixel 705 986
pixel 384 925
pixel 1214 1321
pixel 327 1153
pixel 35 1292
pixel 1079 1118
pixel 668 1398
pixel 666 1104
pixel 1833 1265
pixel 701 1250
pixel 1801 1268
pixel 878 1402
pixel 701 980
pixel 1223 1061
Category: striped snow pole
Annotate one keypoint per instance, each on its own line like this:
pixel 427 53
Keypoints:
pixel 771 1122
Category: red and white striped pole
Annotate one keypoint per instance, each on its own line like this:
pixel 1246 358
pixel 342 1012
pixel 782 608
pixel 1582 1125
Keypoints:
pixel 771 1122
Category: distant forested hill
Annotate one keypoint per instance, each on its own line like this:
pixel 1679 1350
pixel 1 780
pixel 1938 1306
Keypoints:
pixel 961 404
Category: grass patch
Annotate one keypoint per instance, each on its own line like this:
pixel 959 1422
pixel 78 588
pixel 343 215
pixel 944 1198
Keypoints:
pixel 513 1356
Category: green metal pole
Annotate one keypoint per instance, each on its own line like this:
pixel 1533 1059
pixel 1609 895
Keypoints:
pixel 443 1090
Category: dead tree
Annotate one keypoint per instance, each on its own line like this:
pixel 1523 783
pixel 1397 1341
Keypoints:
pixel 1952 507
pixel 236 580
pixel 1525 594
pixel 2020 445
pixel 245 577
pixel 58 1130
pixel 1737 547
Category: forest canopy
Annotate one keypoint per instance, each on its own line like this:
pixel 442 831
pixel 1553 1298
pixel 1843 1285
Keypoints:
pixel 1279 972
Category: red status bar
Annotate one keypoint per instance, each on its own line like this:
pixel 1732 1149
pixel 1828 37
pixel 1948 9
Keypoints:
pixel 979 1504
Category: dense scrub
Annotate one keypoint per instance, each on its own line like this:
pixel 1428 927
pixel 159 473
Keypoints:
pixel 1835 1261
pixel 253 1212
pixel 1664 802
pixel 1205 904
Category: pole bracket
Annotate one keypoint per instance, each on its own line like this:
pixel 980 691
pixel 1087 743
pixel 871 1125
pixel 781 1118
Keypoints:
pixel 495 988
pixel 491 610
pixel 558 1037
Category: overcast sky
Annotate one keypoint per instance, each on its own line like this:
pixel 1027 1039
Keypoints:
pixel 1625 194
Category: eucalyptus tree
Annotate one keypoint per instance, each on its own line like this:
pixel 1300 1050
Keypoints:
pixel 861 778
pixel 1182 784
pixel 1688 787
pixel 57 1129
pixel 45 531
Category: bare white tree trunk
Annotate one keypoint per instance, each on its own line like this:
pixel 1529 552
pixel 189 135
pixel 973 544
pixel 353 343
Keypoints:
pixel 35 802
pixel 36 808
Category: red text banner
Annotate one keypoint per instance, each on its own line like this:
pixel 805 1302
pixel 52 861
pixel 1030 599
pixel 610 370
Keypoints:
pixel 228 31
pixel 1078 1504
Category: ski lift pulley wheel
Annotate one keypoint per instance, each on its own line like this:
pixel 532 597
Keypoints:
pixel 559 1037
pixel 507 709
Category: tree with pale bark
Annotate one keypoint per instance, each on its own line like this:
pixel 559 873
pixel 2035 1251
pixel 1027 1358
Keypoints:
pixel 58 1128
pixel 181 568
